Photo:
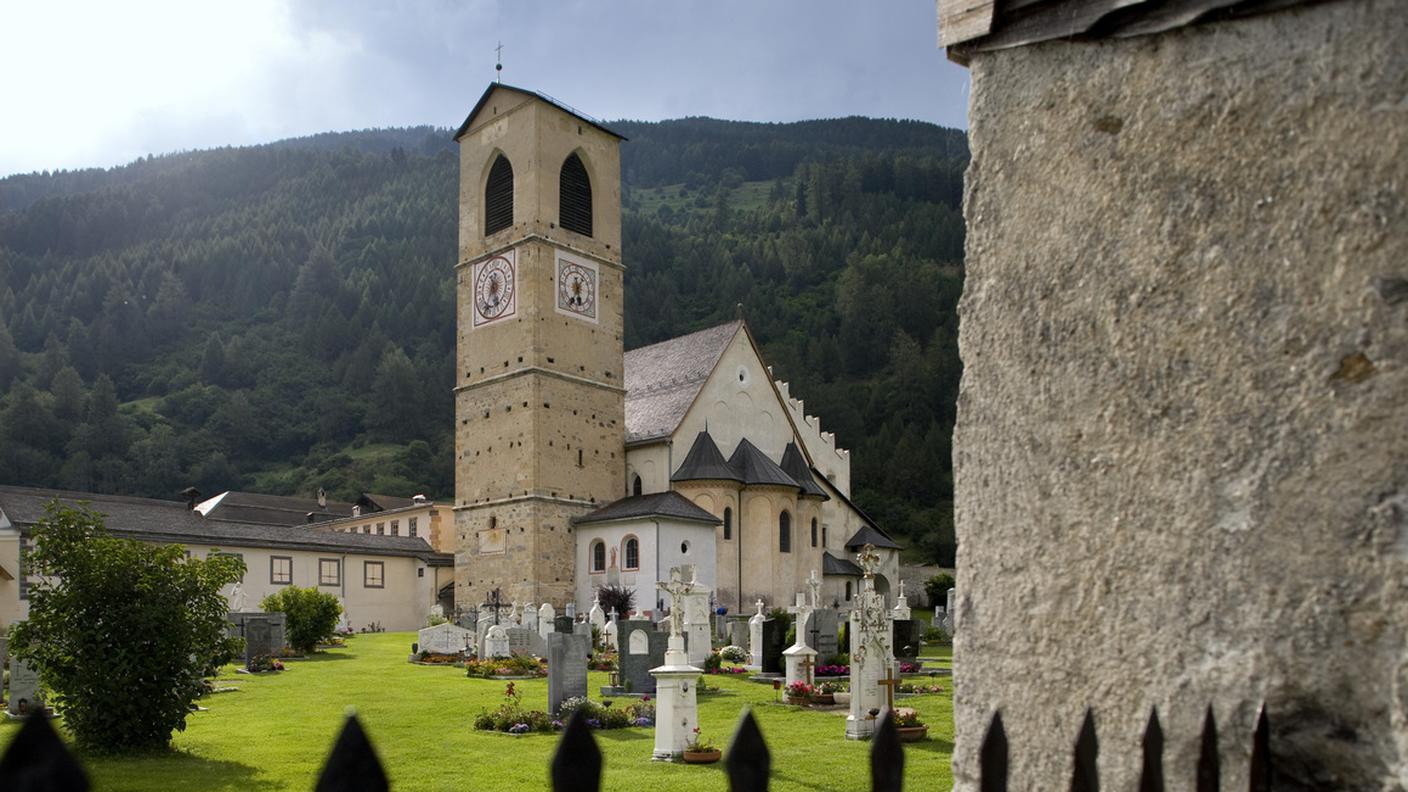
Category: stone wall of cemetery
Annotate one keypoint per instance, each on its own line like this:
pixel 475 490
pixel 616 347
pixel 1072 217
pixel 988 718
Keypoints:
pixel 1182 447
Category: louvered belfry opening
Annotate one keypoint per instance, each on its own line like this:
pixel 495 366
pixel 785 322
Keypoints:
pixel 498 197
pixel 576 197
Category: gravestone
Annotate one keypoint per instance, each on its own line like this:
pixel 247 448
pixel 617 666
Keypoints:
pixel 755 639
pixel 698 643
pixel 546 614
pixel 563 624
pixel 906 638
pixel 582 628
pixel 567 668
pixel 738 631
pixel 523 641
pixel 823 632
pixel 495 642
pixel 948 613
pixel 24 688
pixel 774 643
pixel 445 639
pixel 872 654
pixel 596 616
pixel 642 648
pixel 608 634
pixel 258 639
pixel 481 629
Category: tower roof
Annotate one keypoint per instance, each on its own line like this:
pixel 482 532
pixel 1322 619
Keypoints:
pixel 564 107
pixel 794 465
pixel 704 461
pixel 754 467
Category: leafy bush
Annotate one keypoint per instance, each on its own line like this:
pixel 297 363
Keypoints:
pixel 937 588
pixel 311 615
pixel 937 635
pixel 123 632
pixel 712 663
pixel 618 598
pixel 515 665
pixel 734 654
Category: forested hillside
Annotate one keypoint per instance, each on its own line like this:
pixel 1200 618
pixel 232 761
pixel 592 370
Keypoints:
pixel 280 317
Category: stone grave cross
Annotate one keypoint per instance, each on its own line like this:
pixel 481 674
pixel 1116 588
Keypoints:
pixel 496 604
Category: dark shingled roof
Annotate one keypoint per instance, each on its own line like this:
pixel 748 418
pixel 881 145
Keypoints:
pixel 704 462
pixel 170 521
pixel 563 106
pixel 261 509
pixel 795 466
pixel 663 379
pixel 869 535
pixel 831 565
pixel 754 467
pixel 657 504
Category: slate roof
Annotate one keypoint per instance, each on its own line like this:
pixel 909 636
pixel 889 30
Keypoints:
pixel 704 462
pixel 171 521
pixel 795 466
pixel 871 535
pixel 754 467
pixel 563 106
pixel 261 509
pixel 831 565
pixel 657 504
pixel 662 380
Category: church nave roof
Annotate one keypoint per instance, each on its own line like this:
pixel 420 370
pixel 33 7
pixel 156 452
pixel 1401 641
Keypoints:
pixel 662 380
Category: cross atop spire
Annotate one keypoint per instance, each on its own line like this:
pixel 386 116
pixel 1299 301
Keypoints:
pixel 499 62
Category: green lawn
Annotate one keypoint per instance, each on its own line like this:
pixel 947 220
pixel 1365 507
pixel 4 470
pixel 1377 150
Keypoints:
pixel 275 732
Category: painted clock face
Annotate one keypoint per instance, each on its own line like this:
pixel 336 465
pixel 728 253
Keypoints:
pixel 494 289
pixel 576 286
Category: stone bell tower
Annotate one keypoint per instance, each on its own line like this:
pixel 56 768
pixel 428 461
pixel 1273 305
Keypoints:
pixel 539 396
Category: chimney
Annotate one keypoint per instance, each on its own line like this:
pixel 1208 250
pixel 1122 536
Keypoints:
pixel 356 511
pixel 309 517
pixel 192 496
pixel 418 499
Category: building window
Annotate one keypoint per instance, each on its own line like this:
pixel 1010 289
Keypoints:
pixel 373 574
pixel 411 527
pixel 498 196
pixel 396 529
pixel 280 570
pixel 632 554
pixel 329 572
pixel 19 568
pixel 598 556
pixel 824 543
pixel 848 591
pixel 420 571
pixel 575 195
pixel 636 486
pixel 728 523
pixel 381 529
pixel 784 532
pixel 813 532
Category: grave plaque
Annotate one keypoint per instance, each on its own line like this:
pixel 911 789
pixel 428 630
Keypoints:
pixel 906 638
pixel 567 668
pixel 520 640
pixel 24 688
pixel 822 633
pixel 774 641
pixel 643 648
pixel 445 639
pixel 562 624
pixel 738 631
pixel 495 642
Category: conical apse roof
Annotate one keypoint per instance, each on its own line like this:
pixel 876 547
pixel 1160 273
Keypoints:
pixel 795 466
pixel 755 468
pixel 704 461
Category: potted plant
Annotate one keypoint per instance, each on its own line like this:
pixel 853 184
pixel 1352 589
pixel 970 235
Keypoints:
pixel 907 722
pixel 700 750
pixel 800 692
pixel 825 693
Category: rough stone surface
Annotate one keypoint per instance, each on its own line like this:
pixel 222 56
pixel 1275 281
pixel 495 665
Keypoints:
pixel 1182 446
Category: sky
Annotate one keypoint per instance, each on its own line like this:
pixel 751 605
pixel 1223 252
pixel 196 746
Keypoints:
pixel 97 84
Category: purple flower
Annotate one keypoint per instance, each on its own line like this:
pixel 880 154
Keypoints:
pixel 518 728
pixel 595 723
pixel 644 722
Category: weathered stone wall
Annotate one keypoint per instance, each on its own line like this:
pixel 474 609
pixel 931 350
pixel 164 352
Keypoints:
pixel 1182 446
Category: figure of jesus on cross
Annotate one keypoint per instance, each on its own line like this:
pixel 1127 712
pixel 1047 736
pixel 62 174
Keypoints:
pixel 676 588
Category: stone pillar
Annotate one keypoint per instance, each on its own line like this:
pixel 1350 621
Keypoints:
pixel 676 710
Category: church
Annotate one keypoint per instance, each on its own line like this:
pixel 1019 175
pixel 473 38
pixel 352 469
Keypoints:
pixel 579 465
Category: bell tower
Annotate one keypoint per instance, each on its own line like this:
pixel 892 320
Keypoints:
pixel 540 389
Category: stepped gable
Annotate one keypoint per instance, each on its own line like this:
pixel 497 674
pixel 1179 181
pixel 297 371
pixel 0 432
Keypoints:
pixel 656 504
pixel 704 462
pixel 662 380
pixel 796 467
pixel 869 535
pixel 754 467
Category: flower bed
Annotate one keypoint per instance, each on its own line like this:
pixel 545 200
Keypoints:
pixel 431 658
pixel 516 666
pixel 512 718
pixel 834 670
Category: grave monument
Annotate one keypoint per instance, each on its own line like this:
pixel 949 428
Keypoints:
pixel 871 660
pixel 676 710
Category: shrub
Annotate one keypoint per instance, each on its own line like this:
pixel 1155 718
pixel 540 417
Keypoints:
pixel 618 598
pixel 123 632
pixel 311 615
pixel 937 588
pixel 937 635
pixel 734 654
pixel 712 663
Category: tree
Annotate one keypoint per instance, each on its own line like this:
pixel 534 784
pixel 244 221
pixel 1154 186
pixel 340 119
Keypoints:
pixel 310 614
pixel 123 632
pixel 937 587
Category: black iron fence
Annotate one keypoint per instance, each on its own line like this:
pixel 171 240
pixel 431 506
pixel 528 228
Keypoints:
pixel 38 761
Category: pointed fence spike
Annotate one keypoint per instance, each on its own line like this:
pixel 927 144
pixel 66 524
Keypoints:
pixel 1084 778
pixel 353 765
pixel 992 760
pixel 748 762
pixel 887 757
pixel 1208 771
pixel 38 761
pixel 1261 754
pixel 576 767
pixel 1151 775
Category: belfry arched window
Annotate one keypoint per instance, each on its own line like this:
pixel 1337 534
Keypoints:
pixel 784 532
pixel 728 523
pixel 636 486
pixel 498 196
pixel 813 532
pixel 575 195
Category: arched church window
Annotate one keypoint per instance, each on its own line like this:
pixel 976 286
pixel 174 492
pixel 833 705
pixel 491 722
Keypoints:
pixel 598 556
pixel 784 532
pixel 632 553
pixel 498 196
pixel 636 486
pixel 813 532
pixel 824 543
pixel 848 591
pixel 575 194
pixel 728 523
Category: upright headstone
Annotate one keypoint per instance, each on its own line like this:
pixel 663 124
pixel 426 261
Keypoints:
pixel 258 639
pixel 642 648
pixel 608 634
pixel 583 628
pixel 908 634
pixel 596 615
pixel 481 632
pixel 546 616
pixel 445 639
pixel 495 642
pixel 823 633
pixel 774 642
pixel 901 609
pixel 738 631
pixel 24 688
pixel 570 610
pixel 872 660
pixel 800 659
pixel 563 624
pixel 530 617
pixel 676 710
pixel 948 613
pixel 567 668
pixel 697 630
pixel 521 641
pixel 755 638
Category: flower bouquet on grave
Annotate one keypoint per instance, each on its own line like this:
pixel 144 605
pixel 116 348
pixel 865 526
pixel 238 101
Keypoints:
pixel 824 693
pixel 800 693
pixel 907 723
pixel 700 751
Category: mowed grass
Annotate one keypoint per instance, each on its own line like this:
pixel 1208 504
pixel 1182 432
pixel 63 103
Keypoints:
pixel 276 731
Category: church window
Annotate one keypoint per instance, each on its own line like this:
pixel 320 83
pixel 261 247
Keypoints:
pixel 728 523
pixel 823 535
pixel 498 197
pixel 329 572
pixel 632 554
pixel 784 532
pixel 280 570
pixel 813 532
pixel 598 556
pixel 575 189
pixel 636 486
pixel 848 591
pixel 396 530
pixel 579 457
pixel 373 574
